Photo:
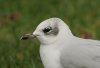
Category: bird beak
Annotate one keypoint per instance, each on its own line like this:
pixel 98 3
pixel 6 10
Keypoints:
pixel 27 36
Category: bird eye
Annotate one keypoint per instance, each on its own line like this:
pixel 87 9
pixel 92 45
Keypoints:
pixel 47 29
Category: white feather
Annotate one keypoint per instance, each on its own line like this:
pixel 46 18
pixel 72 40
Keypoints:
pixel 66 50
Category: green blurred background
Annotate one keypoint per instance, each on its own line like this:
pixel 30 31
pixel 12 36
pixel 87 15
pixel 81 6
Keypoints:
pixel 18 17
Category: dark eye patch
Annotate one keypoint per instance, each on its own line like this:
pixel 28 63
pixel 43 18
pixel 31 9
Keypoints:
pixel 50 31
pixel 47 29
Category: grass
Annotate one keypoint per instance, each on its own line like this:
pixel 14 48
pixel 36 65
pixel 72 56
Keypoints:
pixel 18 17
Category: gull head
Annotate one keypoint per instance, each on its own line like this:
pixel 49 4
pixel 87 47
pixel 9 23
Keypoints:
pixel 50 31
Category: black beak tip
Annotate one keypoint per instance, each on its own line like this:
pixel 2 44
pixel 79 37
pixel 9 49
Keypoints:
pixel 24 38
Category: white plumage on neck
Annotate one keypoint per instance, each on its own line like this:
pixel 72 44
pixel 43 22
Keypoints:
pixel 50 53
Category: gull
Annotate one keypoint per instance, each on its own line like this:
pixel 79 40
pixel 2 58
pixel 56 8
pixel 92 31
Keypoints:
pixel 59 48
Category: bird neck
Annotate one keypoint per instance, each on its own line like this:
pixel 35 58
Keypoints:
pixel 50 56
pixel 64 32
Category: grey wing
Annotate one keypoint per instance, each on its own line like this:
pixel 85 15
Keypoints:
pixel 82 54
